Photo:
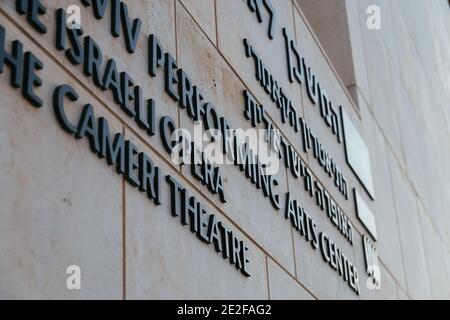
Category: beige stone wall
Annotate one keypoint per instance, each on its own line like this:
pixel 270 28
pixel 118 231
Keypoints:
pixel 62 205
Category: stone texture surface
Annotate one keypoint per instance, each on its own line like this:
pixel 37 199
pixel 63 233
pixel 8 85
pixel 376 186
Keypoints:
pixel 389 248
pixel 410 236
pixel 164 260
pixel 62 205
pixel 223 87
pixel 283 287
pixel 204 12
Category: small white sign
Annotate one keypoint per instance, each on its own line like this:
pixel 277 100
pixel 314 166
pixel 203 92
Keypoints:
pixel 365 215
pixel 357 154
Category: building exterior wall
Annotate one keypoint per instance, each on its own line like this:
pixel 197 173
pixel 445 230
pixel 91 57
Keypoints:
pixel 62 205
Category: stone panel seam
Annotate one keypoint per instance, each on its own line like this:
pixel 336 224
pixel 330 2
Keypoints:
pixel 198 22
pixel 216 25
pixel 267 278
pixel 124 235
pixel 393 277
pixel 292 230
pixel 427 266
pixel 397 222
pixel 404 170
pixel 175 3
